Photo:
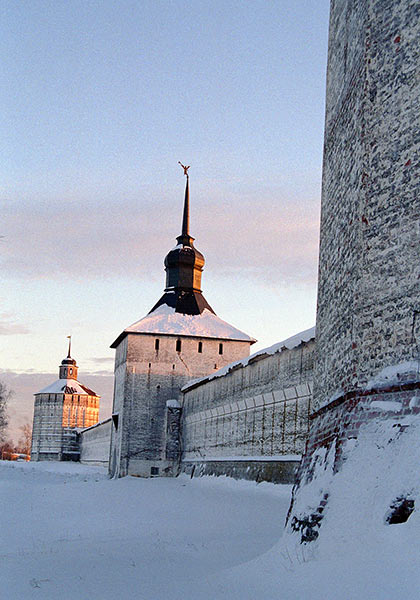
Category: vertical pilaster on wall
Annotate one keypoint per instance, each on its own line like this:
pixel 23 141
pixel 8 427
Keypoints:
pixel 173 431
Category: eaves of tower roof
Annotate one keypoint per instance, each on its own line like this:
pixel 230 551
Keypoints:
pixel 67 386
pixel 164 320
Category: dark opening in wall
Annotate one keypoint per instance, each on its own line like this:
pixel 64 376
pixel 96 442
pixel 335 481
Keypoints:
pixel 200 347
pixel 156 345
pixel 178 345
pixel 115 420
pixel 173 366
pixel 154 471
pixel 150 365
pixel 400 510
pixel 220 348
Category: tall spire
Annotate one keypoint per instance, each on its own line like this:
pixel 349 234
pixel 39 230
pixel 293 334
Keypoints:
pixel 184 265
pixel 186 215
pixel 68 367
pixel 185 239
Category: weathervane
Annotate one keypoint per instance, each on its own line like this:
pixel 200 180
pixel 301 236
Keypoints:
pixel 185 168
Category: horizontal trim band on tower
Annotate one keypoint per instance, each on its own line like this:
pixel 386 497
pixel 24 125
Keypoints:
pixel 402 387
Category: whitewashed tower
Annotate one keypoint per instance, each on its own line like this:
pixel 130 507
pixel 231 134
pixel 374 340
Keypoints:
pixel 60 409
pixel 368 319
pixel 180 339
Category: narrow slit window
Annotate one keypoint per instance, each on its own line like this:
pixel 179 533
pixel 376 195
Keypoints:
pixel 200 347
pixel 156 345
pixel 178 345
pixel 220 348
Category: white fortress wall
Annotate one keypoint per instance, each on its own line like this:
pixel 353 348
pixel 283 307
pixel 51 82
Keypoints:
pixel 252 416
pixel 94 443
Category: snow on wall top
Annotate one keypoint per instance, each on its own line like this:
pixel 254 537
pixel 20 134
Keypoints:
pixel 165 320
pixel 66 386
pixel 288 344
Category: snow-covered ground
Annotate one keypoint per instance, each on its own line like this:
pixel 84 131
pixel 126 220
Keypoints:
pixel 67 532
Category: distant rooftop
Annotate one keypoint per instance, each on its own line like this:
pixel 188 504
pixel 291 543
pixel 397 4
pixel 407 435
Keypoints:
pixel 67 386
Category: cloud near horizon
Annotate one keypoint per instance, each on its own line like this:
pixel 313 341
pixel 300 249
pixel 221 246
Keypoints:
pixel 254 236
pixel 8 326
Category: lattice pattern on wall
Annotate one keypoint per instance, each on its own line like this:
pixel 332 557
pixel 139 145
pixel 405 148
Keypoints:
pixel 269 424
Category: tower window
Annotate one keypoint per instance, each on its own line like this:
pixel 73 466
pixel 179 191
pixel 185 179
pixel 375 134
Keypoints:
pixel 178 345
pixel 71 371
pixel 150 365
pixel 156 345
pixel 220 348
pixel 173 367
pixel 200 347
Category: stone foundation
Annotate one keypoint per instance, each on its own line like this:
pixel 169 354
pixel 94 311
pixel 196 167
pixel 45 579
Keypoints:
pixel 275 471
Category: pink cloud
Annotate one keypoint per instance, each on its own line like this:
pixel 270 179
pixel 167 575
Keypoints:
pixel 258 237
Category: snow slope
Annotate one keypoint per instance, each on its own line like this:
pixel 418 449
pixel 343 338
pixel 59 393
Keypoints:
pixel 69 533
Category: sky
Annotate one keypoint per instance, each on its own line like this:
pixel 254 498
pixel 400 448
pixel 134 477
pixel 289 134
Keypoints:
pixel 100 99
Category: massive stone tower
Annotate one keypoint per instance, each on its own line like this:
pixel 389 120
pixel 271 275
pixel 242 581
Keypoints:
pixel 368 318
pixel 60 409
pixel 369 288
pixel 180 339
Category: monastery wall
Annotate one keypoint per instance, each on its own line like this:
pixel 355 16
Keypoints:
pixel 94 443
pixel 252 420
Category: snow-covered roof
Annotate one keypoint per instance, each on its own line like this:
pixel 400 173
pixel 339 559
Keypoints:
pixel 288 344
pixel 165 320
pixel 66 386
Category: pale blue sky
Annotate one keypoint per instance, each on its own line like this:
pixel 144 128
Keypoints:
pixel 100 100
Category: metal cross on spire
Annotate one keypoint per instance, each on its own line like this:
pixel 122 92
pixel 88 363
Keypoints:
pixel 185 168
